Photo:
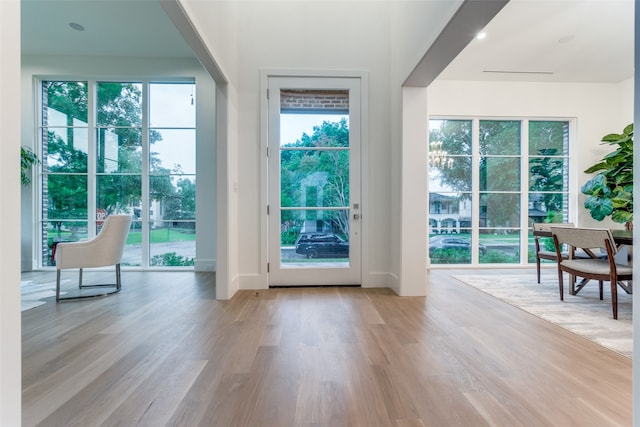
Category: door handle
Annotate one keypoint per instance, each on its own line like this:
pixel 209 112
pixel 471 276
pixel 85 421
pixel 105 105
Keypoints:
pixel 356 216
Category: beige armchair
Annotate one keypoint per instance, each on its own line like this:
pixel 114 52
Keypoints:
pixel 593 268
pixel 104 250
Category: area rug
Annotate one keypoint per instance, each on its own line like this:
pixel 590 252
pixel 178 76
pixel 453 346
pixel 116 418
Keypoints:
pixel 33 295
pixel 583 314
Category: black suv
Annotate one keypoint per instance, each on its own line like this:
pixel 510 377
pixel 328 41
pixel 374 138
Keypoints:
pixel 313 245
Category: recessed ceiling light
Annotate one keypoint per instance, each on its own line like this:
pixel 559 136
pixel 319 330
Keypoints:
pixel 76 26
pixel 481 35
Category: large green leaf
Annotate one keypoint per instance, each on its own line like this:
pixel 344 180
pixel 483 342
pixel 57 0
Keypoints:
pixel 597 167
pixel 622 216
pixel 599 207
pixel 596 186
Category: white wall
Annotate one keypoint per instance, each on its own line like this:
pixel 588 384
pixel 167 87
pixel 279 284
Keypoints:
pixel 10 328
pixel 267 39
pixel 211 29
pixel 106 67
pixel 598 109
pixel 314 35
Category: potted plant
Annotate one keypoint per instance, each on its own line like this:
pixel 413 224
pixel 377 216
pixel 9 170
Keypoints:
pixel 27 159
pixel 610 192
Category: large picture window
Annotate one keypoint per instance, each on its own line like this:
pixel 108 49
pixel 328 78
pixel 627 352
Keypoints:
pixel 489 180
pixel 126 147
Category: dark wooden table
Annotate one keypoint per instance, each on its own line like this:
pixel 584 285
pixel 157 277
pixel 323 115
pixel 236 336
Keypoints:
pixel 621 237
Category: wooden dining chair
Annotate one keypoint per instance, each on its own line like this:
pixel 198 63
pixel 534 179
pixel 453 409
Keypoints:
pixel 592 268
pixel 542 230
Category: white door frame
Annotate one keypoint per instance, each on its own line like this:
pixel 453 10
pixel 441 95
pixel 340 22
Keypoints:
pixel 263 276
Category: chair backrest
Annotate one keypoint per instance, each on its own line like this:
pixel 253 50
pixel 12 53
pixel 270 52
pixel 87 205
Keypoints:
pixel 113 236
pixel 585 238
pixel 103 250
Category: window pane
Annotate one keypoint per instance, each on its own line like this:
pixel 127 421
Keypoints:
pixel 172 105
pixel 452 248
pixel 119 104
pixel 314 130
pixel 312 178
pixel 499 174
pixel 547 173
pixel 122 192
pixel 500 246
pixel 173 243
pixel 499 137
pixel 65 149
pixel 449 212
pixel 66 196
pixel 173 150
pixel 132 255
pixel 455 135
pixel 548 207
pixel 54 232
pixel 548 138
pixel 119 150
pixel 321 235
pixel 499 210
pixel 172 197
pixel 64 103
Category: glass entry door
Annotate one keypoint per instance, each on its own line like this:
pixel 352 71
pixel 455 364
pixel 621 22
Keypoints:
pixel 314 181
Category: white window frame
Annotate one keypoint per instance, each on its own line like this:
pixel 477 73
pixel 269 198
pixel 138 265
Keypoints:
pixel 572 186
pixel 91 161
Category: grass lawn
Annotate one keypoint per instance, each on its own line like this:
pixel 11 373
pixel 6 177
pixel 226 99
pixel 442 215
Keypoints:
pixel 161 235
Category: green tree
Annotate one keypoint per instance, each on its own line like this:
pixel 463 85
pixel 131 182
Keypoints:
pixel 455 137
pixel 187 193
pixel 119 117
pixel 330 168
pixel 547 141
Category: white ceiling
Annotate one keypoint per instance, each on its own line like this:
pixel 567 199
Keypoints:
pixel 529 40
pixel 552 41
pixel 138 28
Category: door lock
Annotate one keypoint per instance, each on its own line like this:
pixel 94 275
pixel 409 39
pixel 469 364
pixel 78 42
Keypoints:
pixel 356 216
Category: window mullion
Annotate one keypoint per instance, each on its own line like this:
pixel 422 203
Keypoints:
pixel 475 191
pixel 524 191
pixel 145 212
pixel 91 158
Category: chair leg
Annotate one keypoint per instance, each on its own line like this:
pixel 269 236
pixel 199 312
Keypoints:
pixel 561 284
pixel 538 268
pixel 600 283
pixel 118 282
pixel 80 280
pixel 614 298
pixel 57 285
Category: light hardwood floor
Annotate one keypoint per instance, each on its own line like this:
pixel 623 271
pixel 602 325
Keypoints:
pixel 164 351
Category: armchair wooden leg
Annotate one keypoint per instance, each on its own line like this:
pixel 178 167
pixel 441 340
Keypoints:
pixel 80 280
pixel 600 283
pixel 538 268
pixel 561 284
pixel 118 283
pixel 614 298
